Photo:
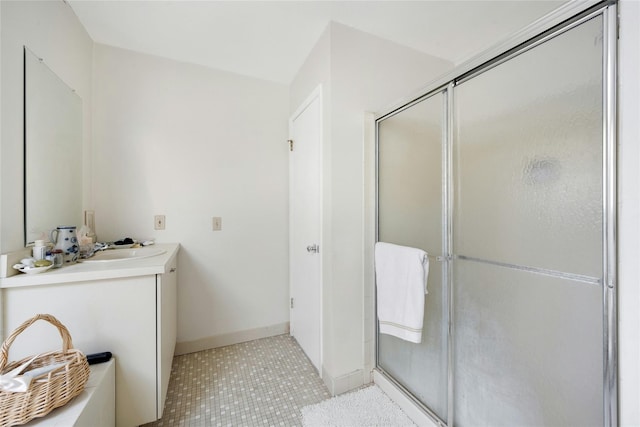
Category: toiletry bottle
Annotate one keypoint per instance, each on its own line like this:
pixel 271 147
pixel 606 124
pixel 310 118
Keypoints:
pixel 39 250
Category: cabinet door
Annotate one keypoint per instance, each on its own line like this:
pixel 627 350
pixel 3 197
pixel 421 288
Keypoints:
pixel 116 315
pixel 167 285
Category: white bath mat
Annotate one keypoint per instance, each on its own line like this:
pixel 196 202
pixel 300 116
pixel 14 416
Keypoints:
pixel 363 408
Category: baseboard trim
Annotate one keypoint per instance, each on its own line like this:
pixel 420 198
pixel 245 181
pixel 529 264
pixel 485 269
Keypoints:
pixel 344 383
pixel 223 340
pixel 417 414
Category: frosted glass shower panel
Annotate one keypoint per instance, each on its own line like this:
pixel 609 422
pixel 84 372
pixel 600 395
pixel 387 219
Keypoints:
pixel 528 157
pixel 410 177
pixel 422 368
pixel 528 348
pixel 410 214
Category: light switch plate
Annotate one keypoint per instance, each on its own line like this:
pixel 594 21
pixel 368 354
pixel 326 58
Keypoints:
pixel 217 223
pixel 89 220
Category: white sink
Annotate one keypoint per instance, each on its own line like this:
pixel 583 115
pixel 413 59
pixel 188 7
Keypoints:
pixel 111 255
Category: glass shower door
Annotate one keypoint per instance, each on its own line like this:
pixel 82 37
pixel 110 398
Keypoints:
pixel 410 213
pixel 528 237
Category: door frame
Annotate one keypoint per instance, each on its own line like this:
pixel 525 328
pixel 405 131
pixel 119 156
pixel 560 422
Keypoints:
pixel 316 94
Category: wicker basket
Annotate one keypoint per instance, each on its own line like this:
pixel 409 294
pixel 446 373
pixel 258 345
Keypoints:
pixel 50 390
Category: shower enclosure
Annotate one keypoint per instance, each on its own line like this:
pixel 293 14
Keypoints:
pixel 505 175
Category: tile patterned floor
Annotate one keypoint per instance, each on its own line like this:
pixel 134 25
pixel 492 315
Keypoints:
pixel 257 383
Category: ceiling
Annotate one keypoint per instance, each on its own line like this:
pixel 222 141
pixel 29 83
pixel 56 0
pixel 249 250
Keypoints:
pixel 271 39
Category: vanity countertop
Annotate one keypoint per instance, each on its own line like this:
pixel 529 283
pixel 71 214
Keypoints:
pixel 83 271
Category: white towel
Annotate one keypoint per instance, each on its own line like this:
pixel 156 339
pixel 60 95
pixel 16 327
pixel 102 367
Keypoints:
pixel 401 282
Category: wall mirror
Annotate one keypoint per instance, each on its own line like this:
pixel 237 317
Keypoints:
pixel 52 150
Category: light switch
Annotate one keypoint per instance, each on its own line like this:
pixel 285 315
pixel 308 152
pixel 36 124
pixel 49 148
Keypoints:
pixel 217 223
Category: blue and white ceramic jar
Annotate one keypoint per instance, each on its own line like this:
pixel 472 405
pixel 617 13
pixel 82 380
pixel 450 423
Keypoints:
pixel 66 239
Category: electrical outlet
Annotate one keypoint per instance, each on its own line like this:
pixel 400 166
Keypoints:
pixel 158 222
pixel 217 223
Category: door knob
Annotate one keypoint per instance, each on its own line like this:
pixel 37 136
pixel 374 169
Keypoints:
pixel 313 248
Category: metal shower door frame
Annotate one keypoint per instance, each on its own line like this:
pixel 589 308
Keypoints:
pixel 558 22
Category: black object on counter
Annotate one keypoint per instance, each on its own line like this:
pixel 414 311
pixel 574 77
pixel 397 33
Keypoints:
pixel 125 241
pixel 99 357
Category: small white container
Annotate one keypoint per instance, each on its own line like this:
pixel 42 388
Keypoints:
pixel 39 250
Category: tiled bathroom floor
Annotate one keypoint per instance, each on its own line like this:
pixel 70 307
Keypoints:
pixel 258 383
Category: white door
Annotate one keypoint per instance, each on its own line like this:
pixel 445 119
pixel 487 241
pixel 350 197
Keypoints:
pixel 304 243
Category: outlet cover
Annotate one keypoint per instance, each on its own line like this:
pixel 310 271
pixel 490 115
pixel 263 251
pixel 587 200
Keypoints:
pixel 158 222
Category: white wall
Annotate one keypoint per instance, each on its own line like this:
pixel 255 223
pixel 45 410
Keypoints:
pixel 629 214
pixel 172 139
pixel 52 31
pixel 359 73
pixel 368 73
pixel 192 143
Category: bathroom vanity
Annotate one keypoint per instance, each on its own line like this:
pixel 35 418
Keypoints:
pixel 127 307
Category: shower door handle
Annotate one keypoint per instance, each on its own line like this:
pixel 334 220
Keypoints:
pixel 313 248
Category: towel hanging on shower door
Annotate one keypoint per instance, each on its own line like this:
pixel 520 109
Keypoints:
pixel 401 283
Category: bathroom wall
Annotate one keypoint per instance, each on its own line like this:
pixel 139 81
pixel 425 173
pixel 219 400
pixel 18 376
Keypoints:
pixel 360 73
pixel 52 31
pixel 368 73
pixel 225 137
pixel 191 143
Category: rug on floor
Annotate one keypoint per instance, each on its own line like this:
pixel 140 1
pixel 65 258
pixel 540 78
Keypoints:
pixel 367 407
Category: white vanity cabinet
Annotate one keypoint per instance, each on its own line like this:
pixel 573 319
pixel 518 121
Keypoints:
pixel 131 314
